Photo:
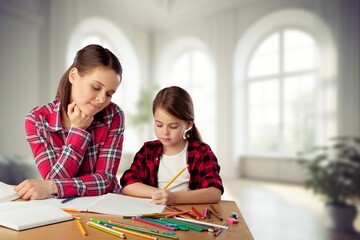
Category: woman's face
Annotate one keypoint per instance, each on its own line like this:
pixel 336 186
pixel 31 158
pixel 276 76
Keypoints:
pixel 93 91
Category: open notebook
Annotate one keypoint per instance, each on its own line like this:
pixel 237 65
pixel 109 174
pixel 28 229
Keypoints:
pixel 112 203
pixel 7 193
pixel 18 217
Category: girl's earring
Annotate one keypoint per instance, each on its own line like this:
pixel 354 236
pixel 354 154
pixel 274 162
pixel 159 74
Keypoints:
pixel 185 133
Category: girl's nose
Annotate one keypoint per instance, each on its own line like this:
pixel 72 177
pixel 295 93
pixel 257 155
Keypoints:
pixel 165 131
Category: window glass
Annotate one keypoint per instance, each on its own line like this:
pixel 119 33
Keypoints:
pixel 126 95
pixel 299 51
pixel 282 93
pixel 299 112
pixel 265 60
pixel 193 71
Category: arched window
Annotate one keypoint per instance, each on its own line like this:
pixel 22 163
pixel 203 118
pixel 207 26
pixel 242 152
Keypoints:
pixel 281 85
pixel 284 91
pixel 189 66
pixel 105 33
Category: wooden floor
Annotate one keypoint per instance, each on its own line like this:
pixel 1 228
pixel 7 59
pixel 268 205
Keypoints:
pixel 277 211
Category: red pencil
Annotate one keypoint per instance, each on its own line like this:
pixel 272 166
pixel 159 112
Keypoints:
pixel 197 213
pixel 152 223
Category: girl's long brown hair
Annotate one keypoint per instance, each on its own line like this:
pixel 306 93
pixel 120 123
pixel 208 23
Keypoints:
pixel 177 101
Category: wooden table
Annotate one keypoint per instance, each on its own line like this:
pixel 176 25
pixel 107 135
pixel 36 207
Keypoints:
pixel 69 230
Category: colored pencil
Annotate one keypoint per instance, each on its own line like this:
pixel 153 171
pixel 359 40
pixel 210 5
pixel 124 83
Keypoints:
pixel 209 215
pixel 177 213
pixel 216 212
pixel 187 225
pixel 174 178
pixel 80 226
pixel 220 231
pixel 205 213
pixel 138 234
pixel 139 228
pixel 201 226
pixel 106 229
pixel 199 216
pixel 202 223
pixel 153 223
pixel 175 209
pixel 150 231
pixel 70 210
pixel 69 199
pixel 216 215
pixel 155 214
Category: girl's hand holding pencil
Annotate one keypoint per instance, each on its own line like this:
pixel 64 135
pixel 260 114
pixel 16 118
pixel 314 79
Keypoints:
pixel 164 196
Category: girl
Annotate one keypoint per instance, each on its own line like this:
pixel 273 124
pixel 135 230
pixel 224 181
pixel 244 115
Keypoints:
pixel 77 138
pixel 179 145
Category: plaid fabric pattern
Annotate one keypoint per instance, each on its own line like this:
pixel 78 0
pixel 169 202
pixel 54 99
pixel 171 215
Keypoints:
pixel 79 162
pixel 202 164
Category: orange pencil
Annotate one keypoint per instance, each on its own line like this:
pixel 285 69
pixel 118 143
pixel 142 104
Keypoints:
pixel 177 213
pixel 175 209
pixel 70 210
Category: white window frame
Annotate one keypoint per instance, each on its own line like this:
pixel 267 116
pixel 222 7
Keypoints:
pixel 129 89
pixel 168 56
pixel 298 19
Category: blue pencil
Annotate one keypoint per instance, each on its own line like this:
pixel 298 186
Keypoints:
pixel 69 199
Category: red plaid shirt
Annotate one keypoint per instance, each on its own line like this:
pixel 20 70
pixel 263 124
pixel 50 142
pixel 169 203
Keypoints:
pixel 202 165
pixel 80 162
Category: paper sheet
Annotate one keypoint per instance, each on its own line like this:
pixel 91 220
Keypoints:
pixel 118 204
pixel 7 193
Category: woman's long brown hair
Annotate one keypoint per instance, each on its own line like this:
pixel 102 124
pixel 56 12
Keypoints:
pixel 86 59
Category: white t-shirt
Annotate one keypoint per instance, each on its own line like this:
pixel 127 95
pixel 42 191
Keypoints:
pixel 170 166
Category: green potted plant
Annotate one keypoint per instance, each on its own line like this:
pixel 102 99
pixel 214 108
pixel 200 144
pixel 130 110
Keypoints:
pixel 143 114
pixel 333 172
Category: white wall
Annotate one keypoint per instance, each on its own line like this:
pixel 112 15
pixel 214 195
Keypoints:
pixel 222 31
pixel 34 38
pixel 22 57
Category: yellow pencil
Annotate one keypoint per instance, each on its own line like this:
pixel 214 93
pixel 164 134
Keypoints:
pixel 174 178
pixel 135 233
pixel 81 227
pixel 106 229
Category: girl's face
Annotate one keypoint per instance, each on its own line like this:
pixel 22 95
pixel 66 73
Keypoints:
pixel 92 92
pixel 169 129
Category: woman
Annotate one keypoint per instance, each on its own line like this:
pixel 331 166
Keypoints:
pixel 77 138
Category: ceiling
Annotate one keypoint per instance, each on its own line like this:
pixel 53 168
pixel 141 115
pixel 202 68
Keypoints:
pixel 159 14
